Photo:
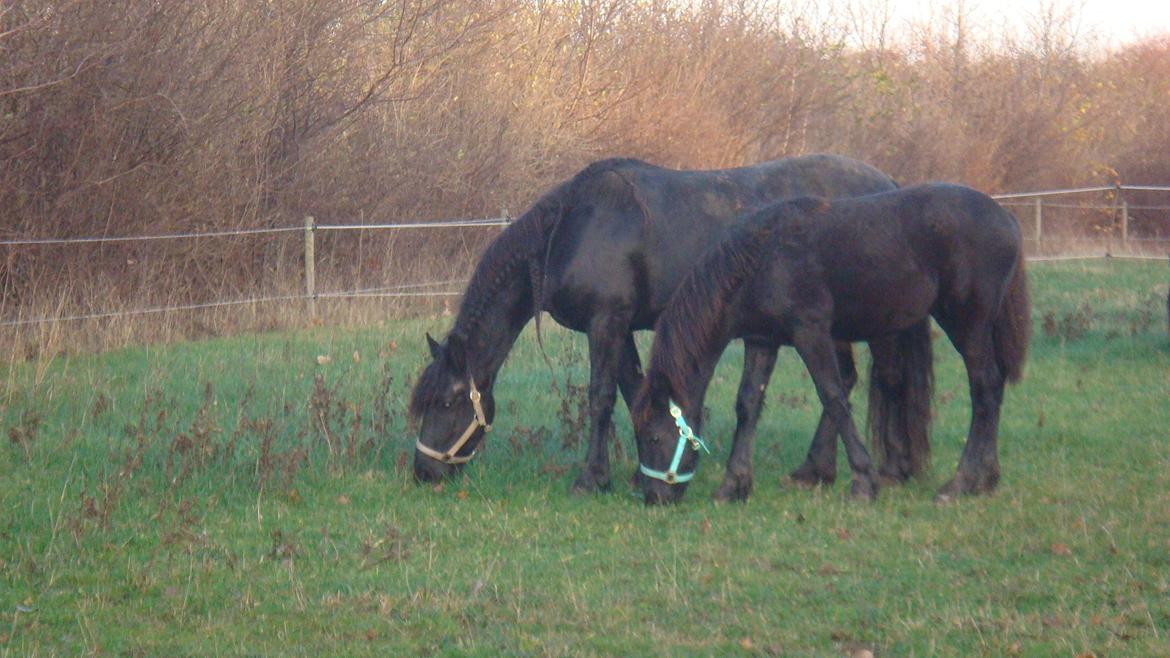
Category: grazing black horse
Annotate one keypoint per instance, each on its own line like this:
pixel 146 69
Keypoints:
pixel 602 253
pixel 810 272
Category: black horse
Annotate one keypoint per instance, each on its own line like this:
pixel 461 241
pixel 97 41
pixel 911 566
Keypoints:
pixel 811 271
pixel 602 253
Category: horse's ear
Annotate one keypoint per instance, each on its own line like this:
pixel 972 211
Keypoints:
pixel 435 347
pixel 456 353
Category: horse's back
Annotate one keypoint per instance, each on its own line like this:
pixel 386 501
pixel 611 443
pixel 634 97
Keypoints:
pixel 963 231
pixel 886 259
pixel 631 230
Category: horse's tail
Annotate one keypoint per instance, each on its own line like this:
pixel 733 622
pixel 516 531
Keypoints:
pixel 550 214
pixel 1012 329
pixel 900 392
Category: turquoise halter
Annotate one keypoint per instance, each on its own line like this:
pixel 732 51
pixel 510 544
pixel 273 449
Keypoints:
pixel 685 435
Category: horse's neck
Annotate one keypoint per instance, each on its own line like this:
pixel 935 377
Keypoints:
pixel 699 371
pixel 490 346
pixel 493 315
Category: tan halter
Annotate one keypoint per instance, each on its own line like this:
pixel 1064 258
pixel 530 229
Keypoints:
pixel 480 420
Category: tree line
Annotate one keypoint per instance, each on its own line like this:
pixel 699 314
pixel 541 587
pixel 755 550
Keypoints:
pixel 137 116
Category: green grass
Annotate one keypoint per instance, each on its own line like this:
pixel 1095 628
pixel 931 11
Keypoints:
pixel 236 497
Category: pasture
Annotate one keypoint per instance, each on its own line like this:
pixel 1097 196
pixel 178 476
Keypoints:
pixel 253 496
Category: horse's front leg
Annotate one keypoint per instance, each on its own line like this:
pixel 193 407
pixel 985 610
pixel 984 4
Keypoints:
pixel 820 465
pixel 815 346
pixel 758 361
pixel 607 334
pixel 629 380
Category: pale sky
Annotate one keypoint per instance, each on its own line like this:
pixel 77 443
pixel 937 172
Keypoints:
pixel 1114 21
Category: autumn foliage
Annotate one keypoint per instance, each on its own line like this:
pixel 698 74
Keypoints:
pixel 141 117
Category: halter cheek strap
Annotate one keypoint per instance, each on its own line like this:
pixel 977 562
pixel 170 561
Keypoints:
pixel 685 435
pixel 480 420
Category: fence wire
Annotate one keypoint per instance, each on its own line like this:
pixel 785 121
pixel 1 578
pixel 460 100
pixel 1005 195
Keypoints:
pixel 145 238
pixel 417 289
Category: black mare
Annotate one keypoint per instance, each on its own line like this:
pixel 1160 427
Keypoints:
pixel 602 252
pixel 811 271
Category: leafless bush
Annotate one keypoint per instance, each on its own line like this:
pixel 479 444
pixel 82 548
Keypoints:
pixel 135 117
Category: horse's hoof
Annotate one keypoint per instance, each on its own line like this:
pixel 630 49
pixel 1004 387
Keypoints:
pixel 587 484
pixel 808 477
pixel 864 490
pixel 893 476
pixel 733 492
pixel 961 485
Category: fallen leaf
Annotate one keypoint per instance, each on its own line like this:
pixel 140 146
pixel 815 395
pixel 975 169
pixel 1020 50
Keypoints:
pixel 323 359
pixel 462 495
pixel 747 644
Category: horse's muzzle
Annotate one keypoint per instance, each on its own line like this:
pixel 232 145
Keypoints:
pixel 660 493
pixel 427 470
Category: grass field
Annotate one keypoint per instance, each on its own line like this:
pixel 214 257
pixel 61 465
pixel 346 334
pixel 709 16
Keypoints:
pixel 239 496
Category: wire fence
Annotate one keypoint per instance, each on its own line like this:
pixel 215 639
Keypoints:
pixel 428 289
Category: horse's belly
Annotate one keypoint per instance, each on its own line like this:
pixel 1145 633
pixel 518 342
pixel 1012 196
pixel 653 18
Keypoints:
pixel 879 307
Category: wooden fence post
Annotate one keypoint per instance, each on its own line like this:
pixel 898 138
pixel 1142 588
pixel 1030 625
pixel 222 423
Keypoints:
pixel 1039 220
pixel 1124 222
pixel 310 265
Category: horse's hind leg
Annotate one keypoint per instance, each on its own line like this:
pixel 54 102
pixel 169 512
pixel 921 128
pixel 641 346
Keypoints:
pixel 978 470
pixel 758 361
pixel 820 465
pixel 607 335
pixel 815 347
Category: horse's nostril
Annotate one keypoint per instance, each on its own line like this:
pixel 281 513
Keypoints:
pixel 426 470
pixel 655 496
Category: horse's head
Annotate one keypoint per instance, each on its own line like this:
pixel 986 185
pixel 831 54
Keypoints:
pixel 453 413
pixel 667 445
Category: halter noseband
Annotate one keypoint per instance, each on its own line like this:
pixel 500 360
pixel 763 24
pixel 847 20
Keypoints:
pixel 480 420
pixel 685 435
